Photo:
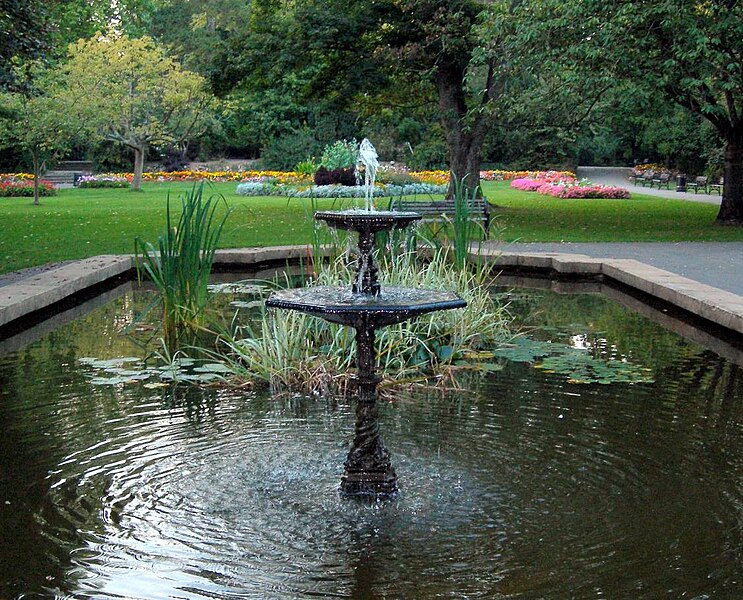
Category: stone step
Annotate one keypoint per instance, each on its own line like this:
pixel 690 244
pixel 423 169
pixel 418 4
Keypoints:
pixel 60 176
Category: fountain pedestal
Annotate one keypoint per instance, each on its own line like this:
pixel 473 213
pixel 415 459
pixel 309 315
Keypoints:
pixel 366 307
pixel 368 469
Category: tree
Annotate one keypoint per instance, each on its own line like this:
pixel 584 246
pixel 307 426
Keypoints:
pixel 690 52
pixel 35 122
pixel 418 52
pixel 131 93
pixel 468 63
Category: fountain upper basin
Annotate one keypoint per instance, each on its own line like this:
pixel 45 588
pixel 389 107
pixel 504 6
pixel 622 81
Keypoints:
pixel 338 304
pixel 365 220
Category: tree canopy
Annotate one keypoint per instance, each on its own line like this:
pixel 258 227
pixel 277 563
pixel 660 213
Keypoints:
pixel 689 53
pixel 131 93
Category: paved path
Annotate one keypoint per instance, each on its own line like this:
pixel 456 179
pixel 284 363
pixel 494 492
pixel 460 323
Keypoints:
pixel 620 177
pixel 719 264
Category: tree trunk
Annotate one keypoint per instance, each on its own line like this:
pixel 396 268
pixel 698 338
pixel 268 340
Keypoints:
pixel 464 165
pixel 139 154
pixel 731 207
pixel 37 175
pixel 465 132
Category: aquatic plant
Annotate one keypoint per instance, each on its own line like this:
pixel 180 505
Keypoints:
pixel 180 264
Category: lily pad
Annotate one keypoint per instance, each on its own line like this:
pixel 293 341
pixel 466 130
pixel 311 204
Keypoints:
pixel 237 287
pixel 244 304
pixel 577 364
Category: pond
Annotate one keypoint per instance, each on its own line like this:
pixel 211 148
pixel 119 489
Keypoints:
pixel 531 484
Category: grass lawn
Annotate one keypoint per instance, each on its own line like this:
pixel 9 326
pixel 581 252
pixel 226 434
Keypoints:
pixel 529 217
pixel 80 223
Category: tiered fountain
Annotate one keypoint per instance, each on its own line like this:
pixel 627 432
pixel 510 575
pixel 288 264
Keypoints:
pixel 366 306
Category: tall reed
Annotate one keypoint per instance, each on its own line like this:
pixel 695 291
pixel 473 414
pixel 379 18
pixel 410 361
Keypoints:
pixel 294 350
pixel 461 223
pixel 181 261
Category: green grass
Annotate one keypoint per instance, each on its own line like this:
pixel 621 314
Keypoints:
pixel 529 217
pixel 80 223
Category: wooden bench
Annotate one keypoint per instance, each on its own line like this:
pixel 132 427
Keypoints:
pixel 716 187
pixel 663 180
pixel 443 211
pixel 699 183
pixel 646 179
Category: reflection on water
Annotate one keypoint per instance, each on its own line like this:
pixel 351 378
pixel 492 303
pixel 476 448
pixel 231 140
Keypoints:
pixel 531 487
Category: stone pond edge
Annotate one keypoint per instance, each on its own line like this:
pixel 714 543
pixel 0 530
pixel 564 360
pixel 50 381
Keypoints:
pixel 41 290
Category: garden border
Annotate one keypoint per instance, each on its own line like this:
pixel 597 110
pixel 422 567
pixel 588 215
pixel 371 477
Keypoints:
pixel 24 297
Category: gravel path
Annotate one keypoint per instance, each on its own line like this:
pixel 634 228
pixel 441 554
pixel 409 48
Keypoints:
pixel 619 176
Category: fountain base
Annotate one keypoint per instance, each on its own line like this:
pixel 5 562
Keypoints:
pixel 368 469
pixel 371 484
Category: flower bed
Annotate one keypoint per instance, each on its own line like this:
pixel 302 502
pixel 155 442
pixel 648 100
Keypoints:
pixel 16 176
pixel 568 188
pixel 500 175
pixel 583 191
pixel 263 188
pixel 11 187
pixel 435 178
pixel 102 181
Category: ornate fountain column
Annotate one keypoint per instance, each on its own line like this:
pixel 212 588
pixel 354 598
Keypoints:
pixel 366 281
pixel 368 469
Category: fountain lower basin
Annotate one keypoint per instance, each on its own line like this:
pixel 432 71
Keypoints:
pixel 338 304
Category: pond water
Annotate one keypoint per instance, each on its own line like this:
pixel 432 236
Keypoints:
pixel 532 485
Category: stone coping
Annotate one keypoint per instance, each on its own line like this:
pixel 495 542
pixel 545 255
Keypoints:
pixel 43 289
pixel 713 304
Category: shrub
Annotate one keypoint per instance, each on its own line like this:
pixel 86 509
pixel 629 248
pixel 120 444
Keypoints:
pixel 340 155
pixel 259 188
pixel 396 177
pixel 339 176
pixel 307 167
pixel 282 153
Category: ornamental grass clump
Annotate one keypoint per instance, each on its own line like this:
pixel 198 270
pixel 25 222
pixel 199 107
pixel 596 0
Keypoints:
pixel 180 263
pixel 294 351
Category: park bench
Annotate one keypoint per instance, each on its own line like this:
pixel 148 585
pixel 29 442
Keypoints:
pixel 646 179
pixel 663 180
pixel 443 211
pixel 699 183
pixel 716 187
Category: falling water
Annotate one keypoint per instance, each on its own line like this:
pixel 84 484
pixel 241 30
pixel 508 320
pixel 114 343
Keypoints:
pixel 368 158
